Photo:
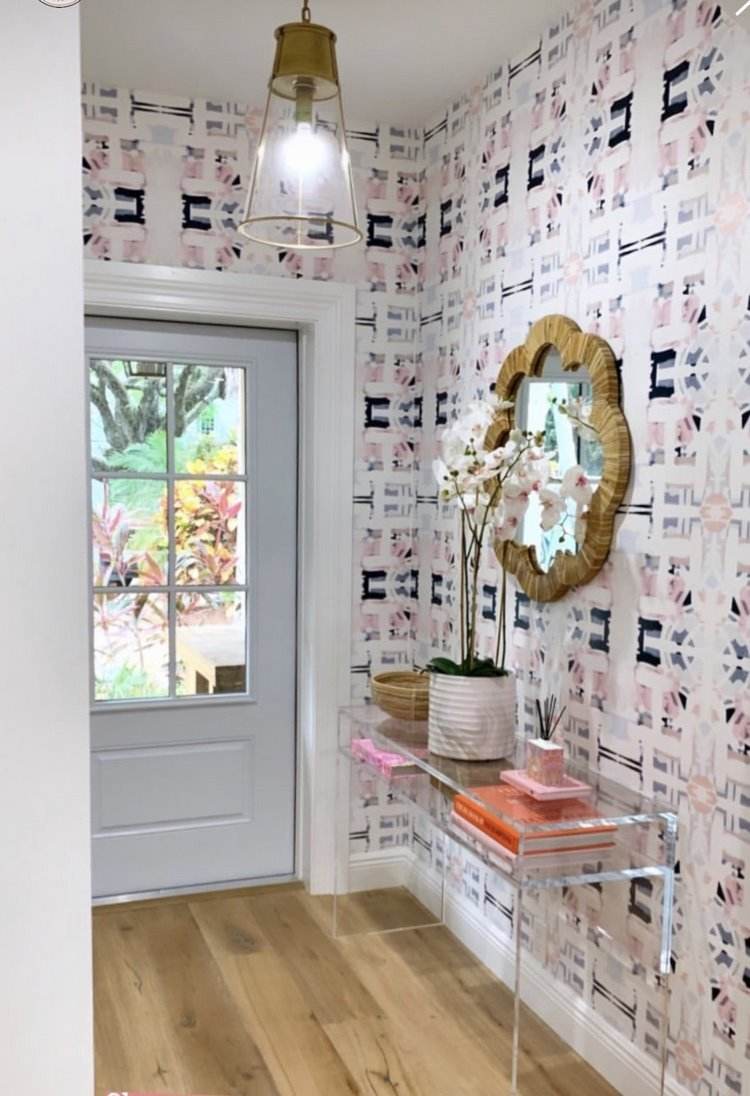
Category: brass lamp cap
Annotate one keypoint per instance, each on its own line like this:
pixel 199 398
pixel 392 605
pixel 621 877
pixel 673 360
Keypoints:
pixel 306 51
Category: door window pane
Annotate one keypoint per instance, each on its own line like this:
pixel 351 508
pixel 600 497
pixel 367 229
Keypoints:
pixel 208 529
pixel 128 405
pixel 131 647
pixel 209 403
pixel 129 530
pixel 211 643
pixel 168 494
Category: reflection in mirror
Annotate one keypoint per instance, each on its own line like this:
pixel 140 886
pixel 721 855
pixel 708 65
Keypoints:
pixel 559 404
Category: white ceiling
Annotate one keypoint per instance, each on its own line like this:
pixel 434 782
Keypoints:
pixel 400 60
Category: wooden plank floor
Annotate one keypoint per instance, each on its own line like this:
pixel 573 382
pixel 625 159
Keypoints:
pixel 244 993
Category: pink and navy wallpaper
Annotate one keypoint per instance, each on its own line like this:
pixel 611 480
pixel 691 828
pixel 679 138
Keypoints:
pixel 604 174
pixel 164 182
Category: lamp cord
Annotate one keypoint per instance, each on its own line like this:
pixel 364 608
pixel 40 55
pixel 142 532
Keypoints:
pixel 306 11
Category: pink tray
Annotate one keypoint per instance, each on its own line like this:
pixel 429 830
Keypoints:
pixel 569 789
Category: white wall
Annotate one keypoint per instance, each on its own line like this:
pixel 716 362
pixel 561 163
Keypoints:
pixel 45 990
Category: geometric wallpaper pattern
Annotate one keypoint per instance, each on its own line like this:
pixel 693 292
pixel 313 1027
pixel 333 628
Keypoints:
pixel 605 175
pixel 164 182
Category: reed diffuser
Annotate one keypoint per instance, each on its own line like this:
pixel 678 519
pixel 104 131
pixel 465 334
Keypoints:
pixel 545 760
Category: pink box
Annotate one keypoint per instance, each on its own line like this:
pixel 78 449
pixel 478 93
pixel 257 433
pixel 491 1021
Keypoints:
pixel 545 762
pixel 569 789
pixel 386 762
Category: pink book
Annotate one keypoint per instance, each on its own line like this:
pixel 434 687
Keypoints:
pixel 385 761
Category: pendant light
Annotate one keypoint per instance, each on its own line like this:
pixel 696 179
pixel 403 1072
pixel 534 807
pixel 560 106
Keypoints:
pixel 301 192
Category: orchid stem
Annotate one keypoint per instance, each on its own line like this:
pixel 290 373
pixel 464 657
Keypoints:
pixel 501 625
pixel 463 587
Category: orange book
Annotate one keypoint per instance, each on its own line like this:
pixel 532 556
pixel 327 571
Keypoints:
pixel 517 806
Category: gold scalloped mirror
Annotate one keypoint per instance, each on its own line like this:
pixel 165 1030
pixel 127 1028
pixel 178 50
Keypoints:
pixel 564 382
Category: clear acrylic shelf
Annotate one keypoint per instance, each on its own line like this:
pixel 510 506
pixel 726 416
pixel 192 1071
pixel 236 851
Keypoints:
pixel 640 834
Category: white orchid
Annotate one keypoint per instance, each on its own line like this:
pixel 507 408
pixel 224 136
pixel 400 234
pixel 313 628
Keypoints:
pixel 508 528
pixel 474 422
pixel 576 485
pixel 502 457
pixel 578 411
pixel 490 465
pixel 481 507
pixel 498 404
pixel 536 469
pixel 452 445
pixel 493 490
pixel 553 508
pixel 516 497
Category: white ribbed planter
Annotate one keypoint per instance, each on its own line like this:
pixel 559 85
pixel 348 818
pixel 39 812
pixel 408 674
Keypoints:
pixel 472 718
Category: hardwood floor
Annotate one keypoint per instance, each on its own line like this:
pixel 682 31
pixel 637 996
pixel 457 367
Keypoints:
pixel 243 993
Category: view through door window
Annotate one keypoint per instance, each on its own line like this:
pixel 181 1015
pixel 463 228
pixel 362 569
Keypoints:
pixel 168 529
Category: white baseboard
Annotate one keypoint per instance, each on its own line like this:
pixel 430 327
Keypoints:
pixel 628 1069
pixel 371 871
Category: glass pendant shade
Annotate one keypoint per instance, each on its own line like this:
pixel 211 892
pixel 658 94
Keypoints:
pixel 301 192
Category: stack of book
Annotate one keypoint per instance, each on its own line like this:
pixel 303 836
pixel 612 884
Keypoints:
pixel 497 822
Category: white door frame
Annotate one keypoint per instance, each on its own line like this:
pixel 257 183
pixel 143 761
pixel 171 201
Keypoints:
pixel 324 315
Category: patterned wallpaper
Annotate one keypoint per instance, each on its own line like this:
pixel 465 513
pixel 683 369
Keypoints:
pixel 606 175
pixel 164 181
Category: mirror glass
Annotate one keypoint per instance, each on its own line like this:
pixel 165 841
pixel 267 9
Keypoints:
pixel 559 403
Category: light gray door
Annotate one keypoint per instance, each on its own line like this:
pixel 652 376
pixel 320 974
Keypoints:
pixel 193 472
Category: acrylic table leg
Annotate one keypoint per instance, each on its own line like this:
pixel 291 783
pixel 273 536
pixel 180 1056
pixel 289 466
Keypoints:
pixel 444 879
pixel 336 851
pixel 341 839
pixel 517 919
pixel 665 960
pixel 664 990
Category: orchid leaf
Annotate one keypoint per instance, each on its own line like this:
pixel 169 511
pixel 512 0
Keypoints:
pixel 444 666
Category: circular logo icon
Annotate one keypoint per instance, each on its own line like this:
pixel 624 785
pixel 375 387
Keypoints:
pixel 60 3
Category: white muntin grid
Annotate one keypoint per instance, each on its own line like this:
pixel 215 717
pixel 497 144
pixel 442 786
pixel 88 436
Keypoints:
pixel 169 477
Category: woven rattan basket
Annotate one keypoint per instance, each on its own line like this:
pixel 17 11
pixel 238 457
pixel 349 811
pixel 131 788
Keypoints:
pixel 402 694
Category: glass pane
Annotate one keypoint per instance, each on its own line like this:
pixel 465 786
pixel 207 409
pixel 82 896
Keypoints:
pixel 129 532
pixel 128 415
pixel 208 416
pixel 211 643
pixel 209 532
pixel 131 646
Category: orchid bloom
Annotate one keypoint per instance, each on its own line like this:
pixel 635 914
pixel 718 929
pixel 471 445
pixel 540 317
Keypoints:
pixel 578 411
pixel 553 508
pixel 475 421
pixel 577 486
pixel 516 495
pixel 452 445
pixel 480 506
pixel 508 529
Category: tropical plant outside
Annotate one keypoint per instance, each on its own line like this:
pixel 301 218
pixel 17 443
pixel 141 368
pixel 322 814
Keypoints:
pixel 134 509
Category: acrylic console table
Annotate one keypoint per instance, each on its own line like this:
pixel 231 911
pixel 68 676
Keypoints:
pixel 392 890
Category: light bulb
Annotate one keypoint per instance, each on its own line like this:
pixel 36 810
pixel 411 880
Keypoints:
pixel 304 150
